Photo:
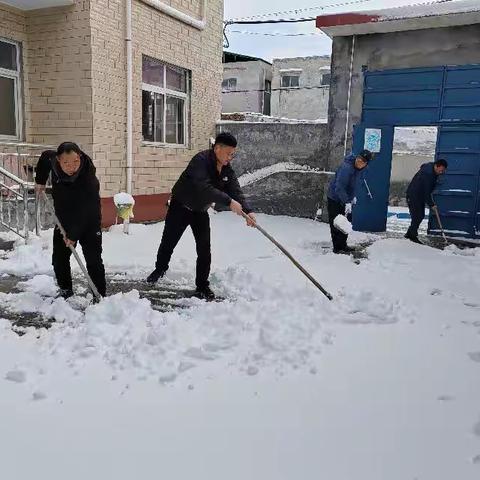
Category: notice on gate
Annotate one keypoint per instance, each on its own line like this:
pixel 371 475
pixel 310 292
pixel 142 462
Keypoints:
pixel 373 139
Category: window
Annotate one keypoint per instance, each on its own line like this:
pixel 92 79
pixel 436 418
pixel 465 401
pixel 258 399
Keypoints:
pixel 290 81
pixel 326 77
pixel 229 84
pixel 165 102
pixel 9 90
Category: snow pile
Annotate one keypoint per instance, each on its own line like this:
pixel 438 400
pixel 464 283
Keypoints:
pixel 253 117
pixel 123 198
pixel 261 173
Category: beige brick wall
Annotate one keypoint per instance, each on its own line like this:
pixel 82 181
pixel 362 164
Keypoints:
pixel 57 62
pixel 169 40
pixel 56 72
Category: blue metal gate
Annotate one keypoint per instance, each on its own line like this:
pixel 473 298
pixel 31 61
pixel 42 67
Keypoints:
pixel 447 97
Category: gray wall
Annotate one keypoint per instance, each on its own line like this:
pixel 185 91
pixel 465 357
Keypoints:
pixel 262 145
pixel 301 103
pixel 250 76
pixel 419 48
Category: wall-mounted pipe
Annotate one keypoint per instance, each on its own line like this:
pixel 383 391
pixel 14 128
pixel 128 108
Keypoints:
pixel 177 14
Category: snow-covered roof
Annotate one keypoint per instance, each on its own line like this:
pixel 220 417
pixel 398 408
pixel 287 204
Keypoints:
pixel 435 14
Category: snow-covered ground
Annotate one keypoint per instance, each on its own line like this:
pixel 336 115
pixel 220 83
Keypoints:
pixel 274 383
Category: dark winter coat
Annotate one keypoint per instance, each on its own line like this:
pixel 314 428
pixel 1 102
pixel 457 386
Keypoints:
pixel 76 198
pixel 420 190
pixel 200 184
pixel 342 186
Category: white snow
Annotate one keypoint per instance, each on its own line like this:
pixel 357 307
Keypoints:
pixel 274 383
pixel 341 223
pixel 123 198
pixel 261 173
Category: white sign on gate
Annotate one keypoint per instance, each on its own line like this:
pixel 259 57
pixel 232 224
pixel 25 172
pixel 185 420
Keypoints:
pixel 373 139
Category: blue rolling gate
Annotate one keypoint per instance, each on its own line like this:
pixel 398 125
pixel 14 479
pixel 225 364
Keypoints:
pixel 447 97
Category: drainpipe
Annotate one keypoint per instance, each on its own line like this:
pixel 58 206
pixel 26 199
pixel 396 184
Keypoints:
pixel 128 44
pixel 177 14
pixel 347 121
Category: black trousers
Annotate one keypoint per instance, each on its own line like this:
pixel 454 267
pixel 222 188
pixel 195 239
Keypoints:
pixel 91 242
pixel 339 239
pixel 417 214
pixel 178 219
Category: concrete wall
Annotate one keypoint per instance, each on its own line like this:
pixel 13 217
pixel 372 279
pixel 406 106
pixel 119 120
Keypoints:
pixel 310 100
pixel 419 48
pixel 264 164
pixel 251 78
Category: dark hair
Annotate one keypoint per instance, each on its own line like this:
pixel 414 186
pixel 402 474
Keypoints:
pixel 366 155
pixel 441 163
pixel 68 147
pixel 226 139
pixel 47 155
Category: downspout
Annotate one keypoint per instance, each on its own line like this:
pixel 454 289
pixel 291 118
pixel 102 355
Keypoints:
pixel 347 121
pixel 177 14
pixel 128 43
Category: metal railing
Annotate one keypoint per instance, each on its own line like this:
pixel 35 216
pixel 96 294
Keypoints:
pixel 13 190
pixel 18 163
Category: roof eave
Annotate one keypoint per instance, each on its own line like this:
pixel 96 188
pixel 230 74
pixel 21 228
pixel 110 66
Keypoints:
pixel 371 24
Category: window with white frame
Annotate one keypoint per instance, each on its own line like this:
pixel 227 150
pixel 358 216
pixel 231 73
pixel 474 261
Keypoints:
pixel 290 81
pixel 9 90
pixel 165 102
pixel 229 84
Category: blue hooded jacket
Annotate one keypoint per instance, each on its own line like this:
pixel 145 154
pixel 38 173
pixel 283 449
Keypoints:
pixel 342 187
pixel 422 185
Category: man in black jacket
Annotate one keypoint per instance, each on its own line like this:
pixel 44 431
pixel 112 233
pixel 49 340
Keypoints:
pixel 76 198
pixel 208 179
pixel 419 194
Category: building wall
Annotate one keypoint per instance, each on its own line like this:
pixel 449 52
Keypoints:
pixel 310 101
pixel 169 40
pixel 251 78
pixel 442 46
pixel 56 64
pixel 74 82
pixel 278 177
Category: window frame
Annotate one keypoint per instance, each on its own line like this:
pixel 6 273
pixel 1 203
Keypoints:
pixel 14 75
pixel 290 76
pixel 228 88
pixel 185 96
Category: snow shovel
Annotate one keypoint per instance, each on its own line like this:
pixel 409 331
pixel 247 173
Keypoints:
pixel 440 225
pixel 92 286
pixel 285 251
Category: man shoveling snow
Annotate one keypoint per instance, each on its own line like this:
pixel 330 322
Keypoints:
pixel 76 196
pixel 341 194
pixel 208 179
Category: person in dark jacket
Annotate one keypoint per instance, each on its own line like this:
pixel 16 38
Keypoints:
pixel 419 194
pixel 341 194
pixel 208 178
pixel 76 198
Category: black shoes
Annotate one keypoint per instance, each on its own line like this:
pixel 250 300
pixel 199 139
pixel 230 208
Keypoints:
pixel 413 239
pixel 204 293
pixel 344 251
pixel 154 276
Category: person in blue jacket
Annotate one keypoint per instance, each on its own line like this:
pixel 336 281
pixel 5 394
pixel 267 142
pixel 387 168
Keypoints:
pixel 419 194
pixel 341 194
